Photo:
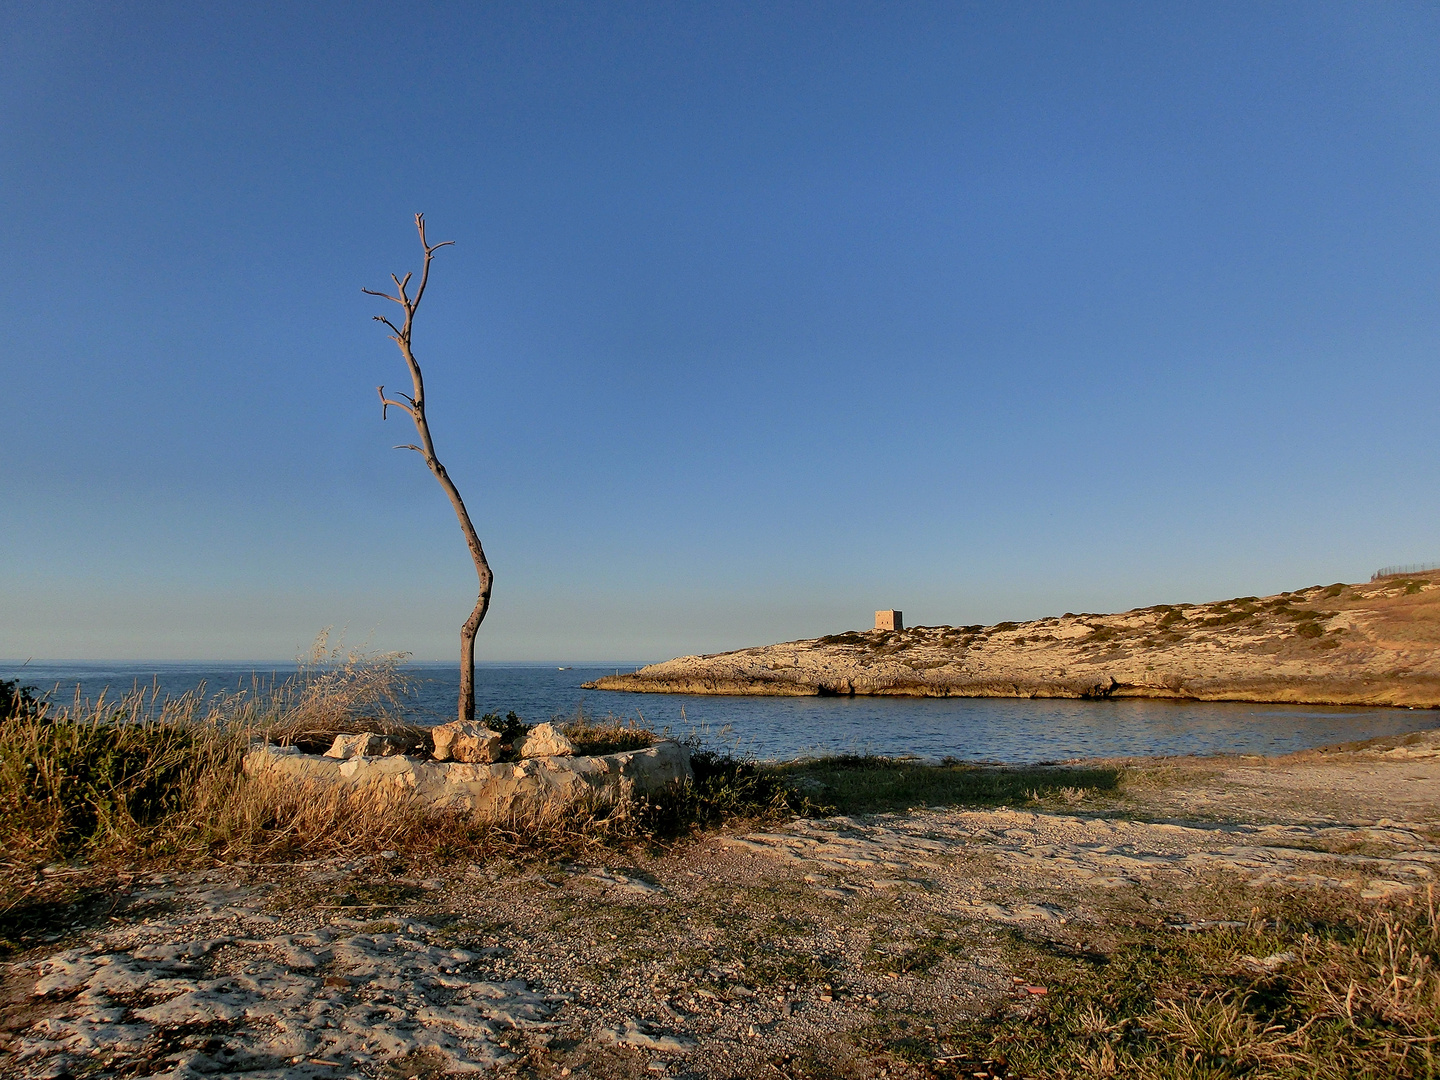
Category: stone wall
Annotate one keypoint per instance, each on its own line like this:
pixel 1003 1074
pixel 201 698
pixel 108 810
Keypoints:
pixel 500 790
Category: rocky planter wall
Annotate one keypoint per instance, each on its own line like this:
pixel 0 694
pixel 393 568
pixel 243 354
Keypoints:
pixel 502 790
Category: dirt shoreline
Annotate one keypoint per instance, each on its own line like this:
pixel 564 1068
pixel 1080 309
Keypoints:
pixel 859 945
pixel 1372 644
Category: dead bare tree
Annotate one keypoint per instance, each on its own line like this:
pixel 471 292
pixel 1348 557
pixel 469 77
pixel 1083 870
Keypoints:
pixel 415 406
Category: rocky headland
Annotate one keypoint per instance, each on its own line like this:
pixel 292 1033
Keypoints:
pixel 1376 643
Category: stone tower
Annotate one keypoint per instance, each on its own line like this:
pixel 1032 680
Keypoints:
pixel 889 620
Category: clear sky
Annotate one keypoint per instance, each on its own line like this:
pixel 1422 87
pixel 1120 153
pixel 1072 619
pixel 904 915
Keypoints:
pixel 759 316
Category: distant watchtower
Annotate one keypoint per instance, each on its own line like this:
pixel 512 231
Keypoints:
pixel 889 620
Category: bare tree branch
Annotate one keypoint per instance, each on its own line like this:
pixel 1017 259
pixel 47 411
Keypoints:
pixel 400 287
pixel 429 251
pixel 386 403
pixel 386 295
pixel 401 336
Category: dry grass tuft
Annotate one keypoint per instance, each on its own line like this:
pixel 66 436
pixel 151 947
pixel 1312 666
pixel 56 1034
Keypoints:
pixel 1323 988
pixel 609 734
pixel 138 777
pixel 340 692
pixel 272 819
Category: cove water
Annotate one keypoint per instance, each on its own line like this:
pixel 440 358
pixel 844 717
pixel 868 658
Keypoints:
pixel 972 729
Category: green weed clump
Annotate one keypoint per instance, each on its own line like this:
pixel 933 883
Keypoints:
pixel 1306 995
pixel 725 788
pixel 864 783
pixel 71 786
pixel 140 777
pixel 15 698
pixel 609 734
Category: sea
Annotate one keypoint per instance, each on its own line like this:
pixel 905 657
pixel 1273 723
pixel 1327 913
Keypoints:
pixel 781 728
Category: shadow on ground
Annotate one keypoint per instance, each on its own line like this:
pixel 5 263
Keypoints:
pixel 860 784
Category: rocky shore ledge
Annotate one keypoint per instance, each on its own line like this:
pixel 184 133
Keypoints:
pixel 1376 643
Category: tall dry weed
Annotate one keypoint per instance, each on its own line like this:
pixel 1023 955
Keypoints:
pixel 340 691
pixel 279 818
pixel 141 776
pixel 145 775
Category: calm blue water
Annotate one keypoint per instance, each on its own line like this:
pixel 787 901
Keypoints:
pixel 980 729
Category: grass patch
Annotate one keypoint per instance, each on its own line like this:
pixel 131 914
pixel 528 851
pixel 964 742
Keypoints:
pixel 862 784
pixel 1310 989
pixel 912 950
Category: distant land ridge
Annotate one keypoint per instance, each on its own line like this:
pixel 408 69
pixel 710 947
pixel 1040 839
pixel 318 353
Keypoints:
pixel 1366 644
pixel 1404 570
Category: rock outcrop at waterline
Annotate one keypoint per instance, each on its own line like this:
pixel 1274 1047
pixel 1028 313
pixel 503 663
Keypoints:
pixel 1371 644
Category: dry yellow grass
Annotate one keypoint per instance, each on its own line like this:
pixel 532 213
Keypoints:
pixel 137 777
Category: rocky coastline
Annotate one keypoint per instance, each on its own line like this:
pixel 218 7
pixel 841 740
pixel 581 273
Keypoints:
pixel 1376 643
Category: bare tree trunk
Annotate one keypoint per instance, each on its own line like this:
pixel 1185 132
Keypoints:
pixel 415 406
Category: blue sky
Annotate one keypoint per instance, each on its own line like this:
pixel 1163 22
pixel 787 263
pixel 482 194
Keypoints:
pixel 759 316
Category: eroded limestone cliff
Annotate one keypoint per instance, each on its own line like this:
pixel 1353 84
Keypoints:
pixel 1370 644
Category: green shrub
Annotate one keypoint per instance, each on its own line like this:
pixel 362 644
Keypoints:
pixel 69 787
pixel 1230 618
pixel 16 699
pixel 725 788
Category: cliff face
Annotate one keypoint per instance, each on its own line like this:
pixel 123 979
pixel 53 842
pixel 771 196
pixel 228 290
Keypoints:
pixel 1370 644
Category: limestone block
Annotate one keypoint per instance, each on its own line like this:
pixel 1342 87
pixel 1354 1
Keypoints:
pixel 368 744
pixel 468 741
pixel 546 740
pixel 348 746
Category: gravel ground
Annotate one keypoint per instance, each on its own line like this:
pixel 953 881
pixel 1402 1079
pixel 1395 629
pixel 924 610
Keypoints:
pixel 832 947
